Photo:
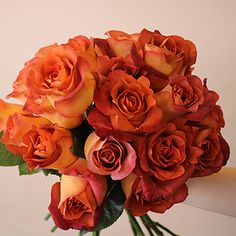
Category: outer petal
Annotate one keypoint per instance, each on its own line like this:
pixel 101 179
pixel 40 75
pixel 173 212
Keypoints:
pixel 78 101
pixel 71 186
pixel 7 109
pixel 66 158
pixel 128 164
pixel 53 207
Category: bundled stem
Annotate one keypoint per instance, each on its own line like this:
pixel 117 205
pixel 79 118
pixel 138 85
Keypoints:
pixel 150 224
pixel 166 229
pixel 134 224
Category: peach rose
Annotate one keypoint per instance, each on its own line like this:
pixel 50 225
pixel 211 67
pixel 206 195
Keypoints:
pixel 109 156
pixel 124 104
pixel 56 84
pixel 183 94
pixel 143 194
pixel 40 143
pixel 76 200
pixel 162 154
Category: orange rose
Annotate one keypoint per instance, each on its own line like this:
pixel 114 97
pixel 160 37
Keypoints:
pixel 76 200
pixel 56 84
pixel 162 154
pixel 40 143
pixel 109 156
pixel 124 104
pixel 143 194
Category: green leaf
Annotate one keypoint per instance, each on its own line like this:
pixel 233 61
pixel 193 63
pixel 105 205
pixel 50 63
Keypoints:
pixel 80 135
pixel 24 170
pixel 7 158
pixel 113 206
pixel 50 172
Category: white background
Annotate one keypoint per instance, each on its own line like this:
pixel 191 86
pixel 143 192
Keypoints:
pixel 25 26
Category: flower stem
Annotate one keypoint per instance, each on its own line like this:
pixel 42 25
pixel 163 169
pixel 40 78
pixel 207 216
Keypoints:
pixel 149 223
pixel 96 233
pixel 148 229
pixel 54 229
pixel 134 224
pixel 166 229
pixel 47 217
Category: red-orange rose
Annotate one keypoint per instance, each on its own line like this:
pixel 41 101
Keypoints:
pixel 124 104
pixel 56 84
pixel 213 151
pixel 162 154
pixel 40 143
pixel 76 201
pixel 143 194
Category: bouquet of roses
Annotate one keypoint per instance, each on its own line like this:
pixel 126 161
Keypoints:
pixel 123 123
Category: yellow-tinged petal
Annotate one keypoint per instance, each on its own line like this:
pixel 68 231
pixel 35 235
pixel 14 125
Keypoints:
pixel 91 140
pixel 71 186
pixel 7 109
pixel 78 104
pixel 68 123
pixel 66 158
pixel 127 184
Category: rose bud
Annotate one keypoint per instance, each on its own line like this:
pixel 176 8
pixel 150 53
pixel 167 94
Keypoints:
pixel 213 151
pixel 182 95
pixel 40 143
pixel 109 156
pixel 56 84
pixel 143 194
pixel 124 104
pixel 76 200
pixel 162 154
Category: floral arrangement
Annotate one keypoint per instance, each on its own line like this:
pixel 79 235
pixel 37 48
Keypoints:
pixel 122 121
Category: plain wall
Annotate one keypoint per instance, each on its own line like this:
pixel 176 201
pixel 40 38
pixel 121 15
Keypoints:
pixel 25 26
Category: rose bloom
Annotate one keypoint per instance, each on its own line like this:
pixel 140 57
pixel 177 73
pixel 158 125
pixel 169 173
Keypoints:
pixel 40 143
pixel 213 151
pixel 208 114
pixel 76 200
pixel 109 156
pixel 163 154
pixel 124 104
pixel 183 94
pixel 167 54
pixel 56 84
pixel 144 194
